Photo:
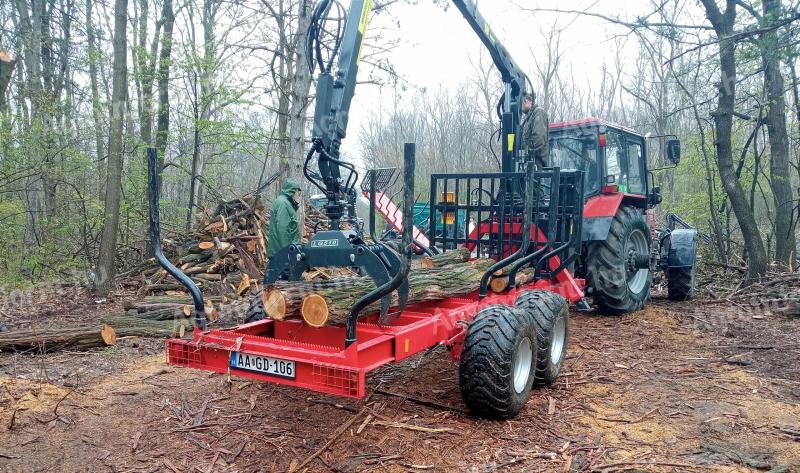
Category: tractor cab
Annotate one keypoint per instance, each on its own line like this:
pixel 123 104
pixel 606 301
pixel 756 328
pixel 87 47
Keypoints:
pixel 613 158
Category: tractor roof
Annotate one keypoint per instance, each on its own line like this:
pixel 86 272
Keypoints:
pixel 590 122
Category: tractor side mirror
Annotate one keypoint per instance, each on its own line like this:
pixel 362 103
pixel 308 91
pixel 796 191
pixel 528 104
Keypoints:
pixel 655 196
pixel 674 151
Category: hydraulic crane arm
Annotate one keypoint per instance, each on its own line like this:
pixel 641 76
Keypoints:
pixel 334 94
pixel 514 81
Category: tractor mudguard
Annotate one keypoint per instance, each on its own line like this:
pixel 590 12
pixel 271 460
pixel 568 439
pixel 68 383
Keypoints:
pixel 598 213
pixel 682 248
pixel 596 228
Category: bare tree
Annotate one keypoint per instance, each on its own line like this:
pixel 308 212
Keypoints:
pixel 723 23
pixel 108 244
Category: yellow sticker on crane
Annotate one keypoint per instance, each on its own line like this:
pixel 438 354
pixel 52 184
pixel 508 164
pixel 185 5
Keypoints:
pixel 362 27
pixel 365 11
pixel 511 137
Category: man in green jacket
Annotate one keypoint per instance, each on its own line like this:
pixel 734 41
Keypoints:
pixel 535 131
pixel 284 227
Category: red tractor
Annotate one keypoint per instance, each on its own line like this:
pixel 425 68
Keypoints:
pixel 621 247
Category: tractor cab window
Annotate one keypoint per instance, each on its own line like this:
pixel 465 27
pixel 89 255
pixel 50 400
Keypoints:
pixel 624 164
pixel 614 158
pixel 572 152
pixel 635 175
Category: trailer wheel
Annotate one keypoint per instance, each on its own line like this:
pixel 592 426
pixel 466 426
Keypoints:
pixel 550 313
pixel 680 283
pixel 256 311
pixel 619 286
pixel 496 369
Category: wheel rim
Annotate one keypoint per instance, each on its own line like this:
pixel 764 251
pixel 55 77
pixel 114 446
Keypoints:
pixel 522 365
pixel 637 243
pixel 559 339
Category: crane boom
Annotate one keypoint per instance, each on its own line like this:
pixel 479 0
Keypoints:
pixel 334 94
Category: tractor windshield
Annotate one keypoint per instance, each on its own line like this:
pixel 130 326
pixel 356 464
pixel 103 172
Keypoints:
pixel 571 152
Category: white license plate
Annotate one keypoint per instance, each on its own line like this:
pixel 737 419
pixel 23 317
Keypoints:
pixel 263 364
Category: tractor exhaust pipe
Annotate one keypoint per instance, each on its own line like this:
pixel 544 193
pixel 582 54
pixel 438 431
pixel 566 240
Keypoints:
pixel 154 192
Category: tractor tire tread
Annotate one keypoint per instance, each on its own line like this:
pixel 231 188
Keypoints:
pixel 606 257
pixel 544 307
pixel 486 364
pixel 680 283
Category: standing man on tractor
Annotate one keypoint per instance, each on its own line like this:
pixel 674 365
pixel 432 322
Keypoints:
pixel 284 227
pixel 534 131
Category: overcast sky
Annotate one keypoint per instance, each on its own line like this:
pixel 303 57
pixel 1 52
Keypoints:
pixel 437 45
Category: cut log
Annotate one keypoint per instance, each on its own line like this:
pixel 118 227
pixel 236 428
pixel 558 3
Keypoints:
pixel 315 310
pixel 208 277
pixel 498 284
pixel 457 256
pixel 206 245
pixel 499 281
pixel 275 304
pixel 108 335
pixel 244 285
pixel 196 257
pixel 424 284
pixel 49 339
pixel 83 337
pixel 168 313
pixel 126 326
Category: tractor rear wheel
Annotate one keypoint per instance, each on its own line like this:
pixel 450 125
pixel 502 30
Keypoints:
pixel 680 283
pixel 496 368
pixel 619 282
pixel 550 313
pixel 256 311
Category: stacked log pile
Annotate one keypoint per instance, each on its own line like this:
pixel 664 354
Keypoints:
pixel 776 293
pixel 225 255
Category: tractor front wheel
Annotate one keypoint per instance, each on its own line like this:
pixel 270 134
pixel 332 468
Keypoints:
pixel 680 283
pixel 619 281
pixel 497 364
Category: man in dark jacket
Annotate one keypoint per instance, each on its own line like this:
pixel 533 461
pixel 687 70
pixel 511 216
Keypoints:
pixel 535 131
pixel 284 227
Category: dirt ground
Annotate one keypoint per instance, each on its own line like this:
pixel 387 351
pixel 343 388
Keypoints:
pixel 677 387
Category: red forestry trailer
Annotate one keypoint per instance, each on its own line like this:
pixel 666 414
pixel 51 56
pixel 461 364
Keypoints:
pixel 528 221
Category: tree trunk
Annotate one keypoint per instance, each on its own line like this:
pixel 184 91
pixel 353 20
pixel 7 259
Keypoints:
pixel 723 24
pixel 775 119
pixel 196 164
pixel 94 53
pixel 108 242
pixel 6 71
pixel 301 84
pixel 164 63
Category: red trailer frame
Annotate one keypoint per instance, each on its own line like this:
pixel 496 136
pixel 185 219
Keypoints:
pixel 322 363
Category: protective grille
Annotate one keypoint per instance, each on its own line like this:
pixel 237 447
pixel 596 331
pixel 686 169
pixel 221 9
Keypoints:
pixel 340 380
pixel 183 353
pixel 487 214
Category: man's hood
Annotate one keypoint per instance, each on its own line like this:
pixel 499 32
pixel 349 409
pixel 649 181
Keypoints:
pixel 290 187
